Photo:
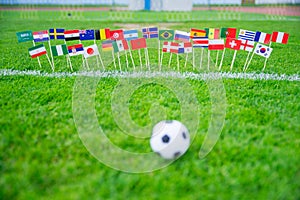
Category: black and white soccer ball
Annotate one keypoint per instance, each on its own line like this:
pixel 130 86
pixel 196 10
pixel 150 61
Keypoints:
pixel 170 139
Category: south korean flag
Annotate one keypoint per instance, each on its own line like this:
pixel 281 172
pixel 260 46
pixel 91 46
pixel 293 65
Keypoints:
pixel 263 50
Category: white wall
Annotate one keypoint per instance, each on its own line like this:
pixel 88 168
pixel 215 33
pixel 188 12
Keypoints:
pixel 276 1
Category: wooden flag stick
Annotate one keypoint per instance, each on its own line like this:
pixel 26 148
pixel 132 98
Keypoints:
pixel 113 55
pixel 100 58
pixel 170 60
pixel 51 55
pixel 127 65
pixel 233 59
pixel 161 59
pixel 38 59
pixel 265 64
pixel 249 61
pixel 71 67
pixel 159 63
pixel 132 59
pixel 201 58
pixel 177 62
pixel 193 60
pixel 50 62
pixel 217 59
pixel 208 55
pixel 186 59
pixel 87 64
pixel 119 61
pixel 140 59
pixel 148 58
pixel 221 62
pixel 244 68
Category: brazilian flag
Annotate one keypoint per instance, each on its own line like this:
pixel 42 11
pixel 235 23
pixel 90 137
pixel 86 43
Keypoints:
pixel 166 35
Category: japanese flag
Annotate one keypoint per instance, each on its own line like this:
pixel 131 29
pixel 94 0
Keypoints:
pixel 91 51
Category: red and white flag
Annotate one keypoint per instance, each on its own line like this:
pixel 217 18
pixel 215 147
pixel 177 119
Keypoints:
pixel 232 43
pixel 185 47
pixel 91 51
pixel 117 35
pixel 280 37
pixel 217 44
pixel 247 45
pixel 138 44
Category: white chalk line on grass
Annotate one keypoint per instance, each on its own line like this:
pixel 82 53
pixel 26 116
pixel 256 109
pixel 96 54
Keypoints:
pixel 185 75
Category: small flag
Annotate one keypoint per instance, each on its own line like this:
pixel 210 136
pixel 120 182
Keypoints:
pixel 182 36
pixel 57 34
pixel 170 47
pixel 120 45
pixel 246 35
pixel 40 36
pixel 200 43
pixel 71 35
pixel 166 35
pixel 75 50
pixel 91 51
pixel 102 34
pixel 196 33
pixel 37 51
pixel 217 44
pixel 151 32
pixel 263 50
pixel 262 37
pixel 131 35
pixel 59 50
pixel 185 47
pixel 117 35
pixel 107 45
pixel 280 37
pixel 87 34
pixel 213 33
pixel 247 45
pixel 138 44
pixel 232 43
pixel 24 36
pixel 228 32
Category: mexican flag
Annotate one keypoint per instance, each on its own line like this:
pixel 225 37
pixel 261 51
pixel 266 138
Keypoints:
pixel 120 45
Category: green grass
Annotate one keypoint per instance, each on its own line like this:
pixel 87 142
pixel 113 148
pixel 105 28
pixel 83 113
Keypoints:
pixel 42 156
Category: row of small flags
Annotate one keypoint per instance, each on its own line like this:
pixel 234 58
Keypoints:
pixel 117 41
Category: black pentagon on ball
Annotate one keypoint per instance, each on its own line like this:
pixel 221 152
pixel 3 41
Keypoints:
pixel 177 154
pixel 165 139
pixel 184 135
pixel 169 121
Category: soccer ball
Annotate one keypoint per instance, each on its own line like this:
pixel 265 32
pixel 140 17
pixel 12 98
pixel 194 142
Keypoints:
pixel 170 139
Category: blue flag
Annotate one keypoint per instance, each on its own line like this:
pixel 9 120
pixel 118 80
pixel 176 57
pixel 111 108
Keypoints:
pixel 87 34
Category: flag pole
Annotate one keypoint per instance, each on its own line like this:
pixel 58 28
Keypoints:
pixel 208 55
pixel 217 58
pixel 186 59
pixel 140 57
pixel 50 62
pixel 244 68
pixel 118 54
pixel 131 59
pixel 37 57
pixel 99 56
pixel 265 64
pixel 233 59
pixel 201 58
pixel 193 60
pixel 113 55
pixel 250 58
pixel 221 62
pixel 87 63
pixel 71 67
pixel 127 66
pixel 148 58
pixel 170 60
pixel 161 59
pixel 51 55
pixel 177 62
pixel 159 53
